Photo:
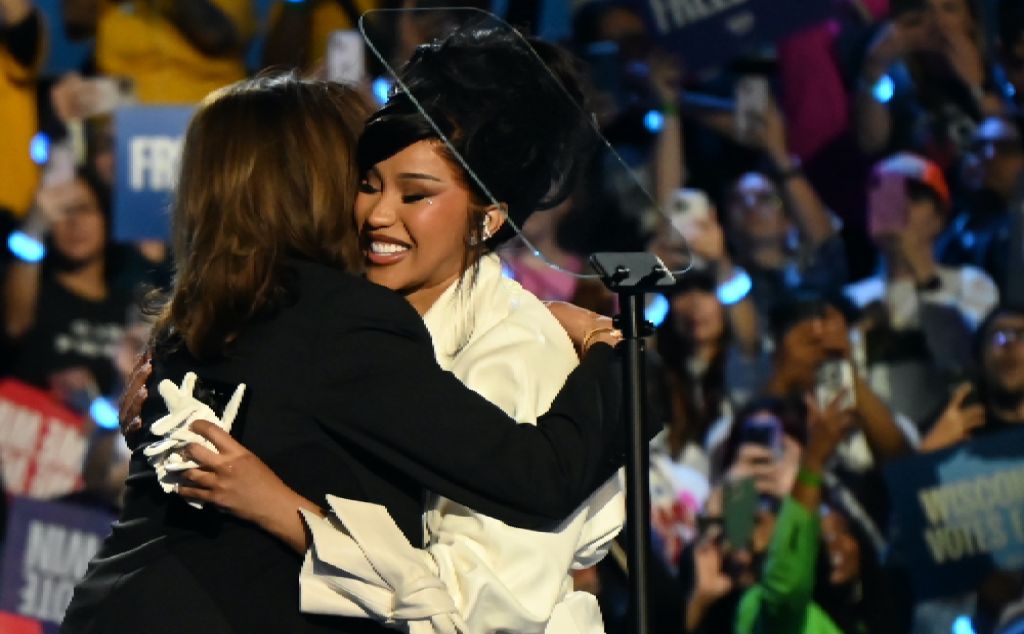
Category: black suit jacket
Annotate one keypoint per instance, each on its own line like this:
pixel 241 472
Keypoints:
pixel 344 397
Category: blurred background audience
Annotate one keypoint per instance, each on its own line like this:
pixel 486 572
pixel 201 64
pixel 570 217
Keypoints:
pixel 850 193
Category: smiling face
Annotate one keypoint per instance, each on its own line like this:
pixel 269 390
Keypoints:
pixel 413 215
pixel 843 549
pixel 1002 354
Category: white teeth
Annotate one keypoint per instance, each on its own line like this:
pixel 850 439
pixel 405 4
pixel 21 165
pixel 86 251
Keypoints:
pixel 387 248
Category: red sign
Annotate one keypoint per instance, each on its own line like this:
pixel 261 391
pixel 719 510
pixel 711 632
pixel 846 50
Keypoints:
pixel 14 624
pixel 42 444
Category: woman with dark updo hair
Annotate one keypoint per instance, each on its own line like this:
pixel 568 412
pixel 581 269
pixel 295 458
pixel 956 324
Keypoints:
pixel 428 232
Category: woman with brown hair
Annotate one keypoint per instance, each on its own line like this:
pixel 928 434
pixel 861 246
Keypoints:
pixel 343 394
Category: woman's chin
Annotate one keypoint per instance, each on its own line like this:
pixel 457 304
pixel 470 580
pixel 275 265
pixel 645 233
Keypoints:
pixel 382 276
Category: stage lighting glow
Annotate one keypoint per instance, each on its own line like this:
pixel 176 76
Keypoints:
pixel 884 89
pixel 381 89
pixel 657 310
pixel 39 148
pixel 103 412
pixel 25 247
pixel 654 121
pixel 962 625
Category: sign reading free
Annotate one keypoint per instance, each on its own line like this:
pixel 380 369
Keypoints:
pixel 706 33
pixel 149 140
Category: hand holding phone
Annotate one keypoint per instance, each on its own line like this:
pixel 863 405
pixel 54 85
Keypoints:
pixel 887 206
pixel 346 57
pixel 835 380
pixel 739 508
pixel 752 96
pixel 688 206
pixel 694 218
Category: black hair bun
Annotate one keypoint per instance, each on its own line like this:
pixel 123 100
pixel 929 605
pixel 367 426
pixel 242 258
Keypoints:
pixel 512 110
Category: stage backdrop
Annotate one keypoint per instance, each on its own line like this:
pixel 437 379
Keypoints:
pixel 149 140
pixel 706 33
pixel 958 514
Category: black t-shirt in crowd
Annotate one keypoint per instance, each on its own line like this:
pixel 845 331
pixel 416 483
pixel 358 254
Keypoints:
pixel 71 331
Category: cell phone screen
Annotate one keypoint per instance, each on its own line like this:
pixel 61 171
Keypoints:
pixel 763 430
pixel 740 505
pixel 605 68
pixel 887 206
pixel 752 94
pixel 835 377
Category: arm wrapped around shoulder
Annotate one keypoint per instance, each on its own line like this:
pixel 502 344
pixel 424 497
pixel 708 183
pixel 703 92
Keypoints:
pixel 385 392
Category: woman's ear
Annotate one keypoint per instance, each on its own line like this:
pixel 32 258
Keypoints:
pixel 494 220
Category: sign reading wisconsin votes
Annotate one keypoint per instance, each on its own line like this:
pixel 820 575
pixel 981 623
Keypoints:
pixel 47 549
pixel 705 33
pixel 149 140
pixel 958 514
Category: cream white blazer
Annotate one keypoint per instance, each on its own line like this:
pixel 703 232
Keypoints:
pixel 475 574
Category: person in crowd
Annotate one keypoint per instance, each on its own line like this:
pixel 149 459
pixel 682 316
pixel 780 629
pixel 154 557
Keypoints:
pixel 767 583
pixel 299 32
pixel 812 333
pixel 924 82
pixel 993 402
pixel 783 236
pixel 21 52
pixel 918 315
pixel 705 368
pixel 608 20
pixel 431 238
pixel 262 297
pixel 173 52
pixel 1010 52
pixel 107 456
pixel 535 274
pixel 697 373
pixel 992 178
pixel 996 402
pixel 61 306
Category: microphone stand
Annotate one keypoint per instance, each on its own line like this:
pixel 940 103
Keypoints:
pixel 631 275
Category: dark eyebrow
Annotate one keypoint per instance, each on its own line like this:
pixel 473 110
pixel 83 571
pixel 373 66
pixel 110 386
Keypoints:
pixel 418 176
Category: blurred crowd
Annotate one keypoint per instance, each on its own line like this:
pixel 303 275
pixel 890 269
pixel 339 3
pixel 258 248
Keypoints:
pixel 849 198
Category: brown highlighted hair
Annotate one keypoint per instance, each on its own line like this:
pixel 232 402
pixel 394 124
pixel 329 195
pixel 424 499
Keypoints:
pixel 268 172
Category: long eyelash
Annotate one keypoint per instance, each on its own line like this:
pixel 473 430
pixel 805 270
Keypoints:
pixel 415 198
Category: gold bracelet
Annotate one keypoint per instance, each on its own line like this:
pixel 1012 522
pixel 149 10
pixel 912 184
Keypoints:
pixel 596 331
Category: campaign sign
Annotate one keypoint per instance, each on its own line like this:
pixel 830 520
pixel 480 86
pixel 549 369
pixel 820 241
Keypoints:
pixel 958 514
pixel 706 33
pixel 149 140
pixel 47 549
pixel 42 446
pixel 14 624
